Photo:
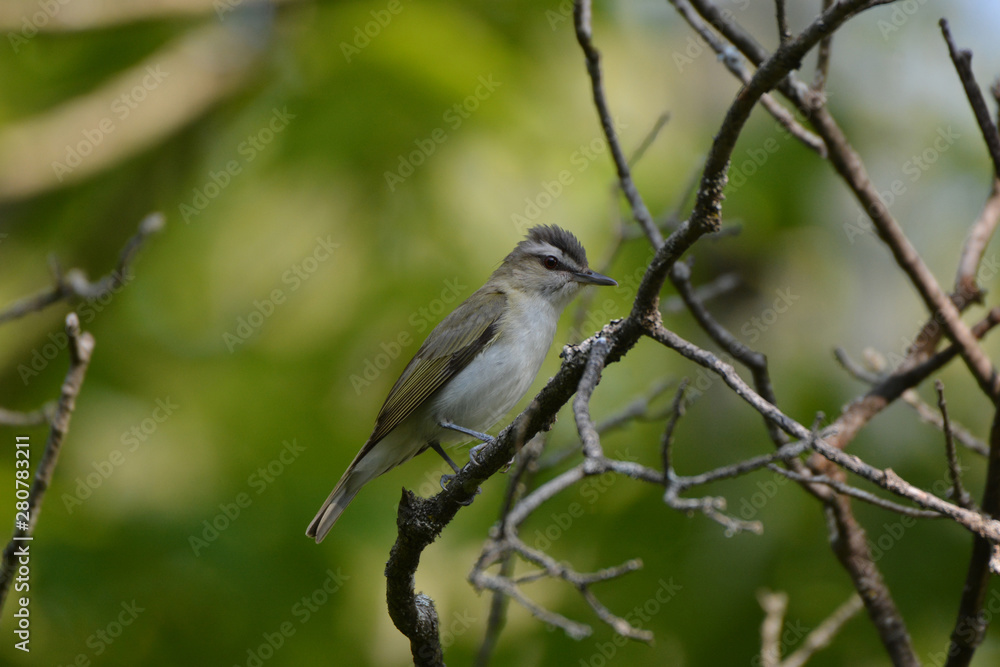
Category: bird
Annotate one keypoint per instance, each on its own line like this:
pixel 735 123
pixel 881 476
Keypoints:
pixel 474 366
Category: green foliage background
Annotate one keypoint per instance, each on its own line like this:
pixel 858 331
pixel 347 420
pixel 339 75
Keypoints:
pixel 406 252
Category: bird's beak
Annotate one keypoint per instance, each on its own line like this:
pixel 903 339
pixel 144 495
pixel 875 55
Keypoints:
pixel 589 277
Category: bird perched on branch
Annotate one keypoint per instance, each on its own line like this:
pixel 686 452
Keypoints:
pixel 474 366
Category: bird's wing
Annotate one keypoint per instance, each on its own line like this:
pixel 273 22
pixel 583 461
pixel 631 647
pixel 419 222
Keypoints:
pixel 457 340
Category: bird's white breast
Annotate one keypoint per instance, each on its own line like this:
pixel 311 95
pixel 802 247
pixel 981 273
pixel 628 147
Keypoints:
pixel 486 389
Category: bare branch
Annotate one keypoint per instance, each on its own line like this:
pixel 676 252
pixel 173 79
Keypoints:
pixel 954 467
pixel 854 492
pixel 74 284
pixel 848 164
pixel 581 403
pixel 774 605
pixel 712 507
pixel 527 461
pixel 862 410
pixel 963 65
pixel 654 132
pixel 779 9
pixel 966 285
pixel 81 346
pixel 38 417
pixel 971 623
pixel 974 522
pixel 958 432
pixel 667 440
pixel 823 58
pixel 911 398
pixel 707 210
pixel 735 65
pixel 584 35
pixel 504 586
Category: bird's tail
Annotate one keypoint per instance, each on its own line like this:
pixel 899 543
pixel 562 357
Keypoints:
pixel 342 495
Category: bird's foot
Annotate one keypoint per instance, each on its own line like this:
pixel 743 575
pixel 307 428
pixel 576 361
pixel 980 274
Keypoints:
pixel 485 437
pixel 478 449
pixel 446 480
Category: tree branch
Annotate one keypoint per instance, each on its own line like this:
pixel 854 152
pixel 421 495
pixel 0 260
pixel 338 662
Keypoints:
pixel 971 624
pixel 584 35
pixel 34 418
pixel 74 284
pixel 979 237
pixel 983 526
pixel 963 65
pixel 823 59
pixel 954 468
pixel 735 65
pixel 81 346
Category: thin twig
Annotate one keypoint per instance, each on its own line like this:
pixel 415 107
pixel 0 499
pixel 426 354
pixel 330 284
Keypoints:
pixel 783 33
pixel 912 398
pixel 581 403
pixel 622 230
pixel 649 139
pixel 971 622
pixel 584 35
pixel 507 588
pixel 954 467
pixel 81 346
pixel 786 453
pixel 34 418
pixel 74 284
pixel 774 605
pixel 846 489
pixel 711 506
pixel 966 285
pixel 527 460
pixel 735 65
pixel 823 59
pixel 963 65
pixel 582 581
pixel 667 439
pixel 957 431
pixel 865 408
pixel 983 526
pixel 501 548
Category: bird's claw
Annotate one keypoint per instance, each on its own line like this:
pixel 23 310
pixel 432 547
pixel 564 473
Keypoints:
pixel 474 452
pixel 446 480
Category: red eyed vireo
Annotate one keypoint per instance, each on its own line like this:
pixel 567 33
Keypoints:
pixel 474 366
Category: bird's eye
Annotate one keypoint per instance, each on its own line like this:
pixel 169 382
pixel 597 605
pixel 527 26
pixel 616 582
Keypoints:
pixel 550 262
